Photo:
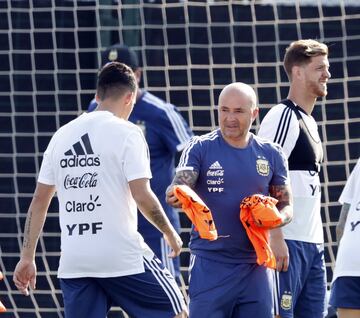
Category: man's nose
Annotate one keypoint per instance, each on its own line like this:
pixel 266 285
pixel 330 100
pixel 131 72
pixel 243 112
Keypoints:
pixel 328 74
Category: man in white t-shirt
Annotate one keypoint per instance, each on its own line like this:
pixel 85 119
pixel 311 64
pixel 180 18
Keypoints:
pixel 345 290
pixel 99 166
pixel 301 275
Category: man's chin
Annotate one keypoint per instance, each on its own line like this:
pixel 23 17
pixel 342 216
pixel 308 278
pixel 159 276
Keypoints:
pixel 322 93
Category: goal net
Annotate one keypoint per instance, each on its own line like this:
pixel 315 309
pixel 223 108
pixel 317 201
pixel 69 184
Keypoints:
pixel 51 50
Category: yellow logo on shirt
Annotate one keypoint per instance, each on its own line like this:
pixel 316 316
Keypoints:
pixel 262 167
pixel 286 302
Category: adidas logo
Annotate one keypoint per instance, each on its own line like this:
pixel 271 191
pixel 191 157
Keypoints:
pixel 216 165
pixel 81 148
pixel 78 148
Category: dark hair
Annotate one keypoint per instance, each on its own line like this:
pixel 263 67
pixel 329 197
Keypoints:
pixel 114 80
pixel 300 53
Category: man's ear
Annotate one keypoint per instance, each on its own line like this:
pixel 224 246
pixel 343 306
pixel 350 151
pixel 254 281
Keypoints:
pixel 129 98
pixel 97 98
pixel 255 113
pixel 296 72
pixel 137 73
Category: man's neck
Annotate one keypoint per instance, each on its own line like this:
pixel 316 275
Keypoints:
pixel 116 111
pixel 303 100
pixel 239 142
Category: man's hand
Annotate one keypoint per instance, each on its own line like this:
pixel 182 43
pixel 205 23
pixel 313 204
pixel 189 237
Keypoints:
pixel 25 270
pixel 25 276
pixel 171 199
pixel 280 249
pixel 174 241
pixel 186 177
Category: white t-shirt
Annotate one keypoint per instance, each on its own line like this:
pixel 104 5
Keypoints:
pixel 306 224
pixel 90 161
pixel 348 257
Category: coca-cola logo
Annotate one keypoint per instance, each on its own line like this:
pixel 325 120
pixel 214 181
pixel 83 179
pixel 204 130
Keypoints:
pixel 215 173
pixel 87 180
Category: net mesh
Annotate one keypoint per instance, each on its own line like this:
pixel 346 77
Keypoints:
pixel 50 53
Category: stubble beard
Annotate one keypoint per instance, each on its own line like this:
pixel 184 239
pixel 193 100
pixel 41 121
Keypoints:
pixel 318 89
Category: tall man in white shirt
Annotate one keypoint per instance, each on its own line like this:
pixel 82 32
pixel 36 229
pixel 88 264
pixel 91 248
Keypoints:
pixel 302 283
pixel 99 166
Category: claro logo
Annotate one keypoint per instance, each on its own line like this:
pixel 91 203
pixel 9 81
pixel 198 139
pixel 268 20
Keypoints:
pixel 80 162
pixel 80 154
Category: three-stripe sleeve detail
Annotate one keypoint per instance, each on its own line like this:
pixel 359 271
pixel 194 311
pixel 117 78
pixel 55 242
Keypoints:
pixel 283 127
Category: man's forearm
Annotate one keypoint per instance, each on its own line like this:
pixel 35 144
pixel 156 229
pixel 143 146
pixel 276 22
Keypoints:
pixel 151 208
pixel 33 226
pixel 342 220
pixel 186 177
pixel 287 213
pixel 149 205
pixel 35 219
pixel 284 196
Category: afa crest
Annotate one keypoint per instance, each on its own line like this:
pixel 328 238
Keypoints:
pixel 113 55
pixel 286 302
pixel 262 167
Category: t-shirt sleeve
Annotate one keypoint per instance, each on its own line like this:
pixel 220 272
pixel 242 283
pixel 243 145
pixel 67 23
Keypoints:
pixel 191 156
pixel 281 126
pixel 175 131
pixel 46 174
pixel 348 192
pixel 136 157
pixel 281 168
